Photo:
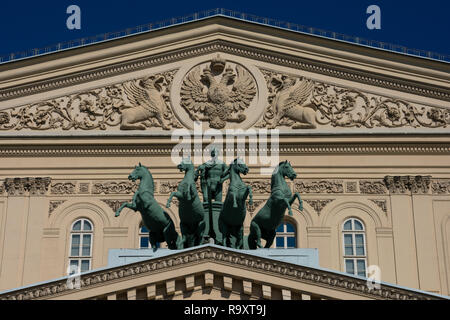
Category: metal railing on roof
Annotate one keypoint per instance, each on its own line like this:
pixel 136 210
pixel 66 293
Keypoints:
pixel 226 13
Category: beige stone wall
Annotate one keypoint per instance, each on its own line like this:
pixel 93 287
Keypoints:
pixel 341 166
pixel 406 234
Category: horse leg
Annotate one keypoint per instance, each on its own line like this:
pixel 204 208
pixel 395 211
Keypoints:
pixel 172 238
pixel 176 194
pixel 233 241
pixel 288 205
pixel 249 193
pixel 300 201
pixel 240 237
pixel 152 238
pixel 254 239
pixel 233 194
pixel 223 228
pixel 270 238
pixel 183 241
pixel 132 205
pixel 200 233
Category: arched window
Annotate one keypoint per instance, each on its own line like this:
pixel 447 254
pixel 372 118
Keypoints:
pixel 354 242
pixel 144 241
pixel 81 236
pixel 286 236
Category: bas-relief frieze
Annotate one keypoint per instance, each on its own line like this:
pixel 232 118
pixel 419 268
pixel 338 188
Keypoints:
pixel 135 104
pixel 221 92
pixel 301 103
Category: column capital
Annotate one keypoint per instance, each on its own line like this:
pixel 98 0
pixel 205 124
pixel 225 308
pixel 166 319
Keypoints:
pixel 22 187
pixel 408 184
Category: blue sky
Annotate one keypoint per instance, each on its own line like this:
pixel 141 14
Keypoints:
pixel 415 24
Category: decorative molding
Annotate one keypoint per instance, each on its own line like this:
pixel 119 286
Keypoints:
pixel 167 186
pixel 207 254
pixel 54 204
pixel 319 186
pixel 114 187
pixel 372 187
pixel 166 150
pixel 440 186
pixel 15 186
pixel 115 204
pixel 302 103
pixel 351 187
pixel 318 204
pixel 381 203
pixel 256 203
pixel 61 188
pixel 235 49
pixel 135 104
pixel 259 186
pixel 20 186
pixel 405 184
pixel 84 188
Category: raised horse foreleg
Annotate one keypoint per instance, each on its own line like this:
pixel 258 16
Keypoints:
pixel 300 201
pixel 176 194
pixel 131 205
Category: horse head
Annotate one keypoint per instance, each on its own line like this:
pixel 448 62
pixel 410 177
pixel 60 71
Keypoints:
pixel 138 172
pixel 185 165
pixel 239 166
pixel 286 170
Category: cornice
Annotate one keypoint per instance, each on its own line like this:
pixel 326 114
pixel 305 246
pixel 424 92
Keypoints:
pixel 272 57
pixel 68 150
pixel 217 255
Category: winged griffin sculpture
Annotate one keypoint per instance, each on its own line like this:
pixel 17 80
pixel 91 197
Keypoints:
pixel 146 103
pixel 292 100
pixel 208 97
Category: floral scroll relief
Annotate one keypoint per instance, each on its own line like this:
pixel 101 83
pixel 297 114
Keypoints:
pixel 291 101
pixel 99 109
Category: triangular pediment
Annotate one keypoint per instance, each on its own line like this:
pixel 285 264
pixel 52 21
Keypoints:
pixel 216 273
pixel 228 77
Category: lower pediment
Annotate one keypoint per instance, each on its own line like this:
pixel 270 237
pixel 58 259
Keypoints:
pixel 214 272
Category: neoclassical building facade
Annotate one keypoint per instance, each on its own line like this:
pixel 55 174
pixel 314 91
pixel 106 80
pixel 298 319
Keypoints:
pixel 366 130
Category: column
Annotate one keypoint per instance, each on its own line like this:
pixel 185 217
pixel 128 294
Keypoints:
pixel 403 229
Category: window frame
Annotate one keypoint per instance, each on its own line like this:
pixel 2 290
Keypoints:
pixel 80 257
pixel 354 257
pixel 286 234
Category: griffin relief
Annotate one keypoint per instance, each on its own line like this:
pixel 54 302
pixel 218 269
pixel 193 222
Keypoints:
pixel 147 102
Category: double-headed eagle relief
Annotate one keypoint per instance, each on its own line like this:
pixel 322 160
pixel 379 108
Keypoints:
pixel 218 94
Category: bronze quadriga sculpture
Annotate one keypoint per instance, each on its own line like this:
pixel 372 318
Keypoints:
pixel 161 226
pixel 192 223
